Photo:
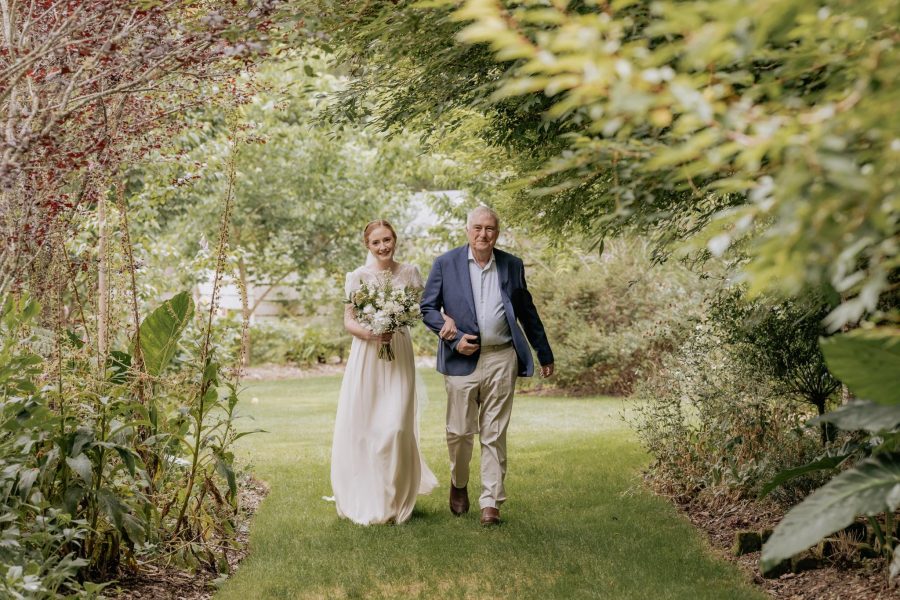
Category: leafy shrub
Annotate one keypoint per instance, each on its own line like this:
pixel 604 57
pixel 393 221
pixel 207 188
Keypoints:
pixel 780 339
pixel 39 550
pixel 713 421
pixel 95 472
pixel 612 319
pixel 316 341
pixel 270 344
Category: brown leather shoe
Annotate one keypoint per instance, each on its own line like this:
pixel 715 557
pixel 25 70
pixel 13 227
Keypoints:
pixel 459 500
pixel 490 516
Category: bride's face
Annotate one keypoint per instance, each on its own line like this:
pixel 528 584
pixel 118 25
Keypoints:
pixel 381 243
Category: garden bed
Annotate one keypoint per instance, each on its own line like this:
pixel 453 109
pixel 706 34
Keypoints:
pixel 865 580
pixel 167 582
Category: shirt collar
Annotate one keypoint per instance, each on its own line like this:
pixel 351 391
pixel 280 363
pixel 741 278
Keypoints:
pixel 490 261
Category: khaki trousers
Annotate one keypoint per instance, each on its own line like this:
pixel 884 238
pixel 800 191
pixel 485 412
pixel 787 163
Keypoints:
pixel 482 402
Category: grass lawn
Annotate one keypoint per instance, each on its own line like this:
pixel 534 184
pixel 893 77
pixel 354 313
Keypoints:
pixel 577 524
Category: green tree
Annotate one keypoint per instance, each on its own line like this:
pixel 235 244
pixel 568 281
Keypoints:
pixel 304 190
pixel 714 121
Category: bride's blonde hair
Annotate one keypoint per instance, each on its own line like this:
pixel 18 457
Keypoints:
pixel 377 223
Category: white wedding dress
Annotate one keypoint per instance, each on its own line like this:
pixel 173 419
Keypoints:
pixel 377 468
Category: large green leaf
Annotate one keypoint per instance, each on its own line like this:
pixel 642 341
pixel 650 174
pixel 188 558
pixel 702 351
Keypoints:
pixel 863 415
pixel 162 329
pixel 822 464
pixel 227 472
pixel 81 464
pixel 868 362
pixel 27 477
pixel 112 505
pixel 870 488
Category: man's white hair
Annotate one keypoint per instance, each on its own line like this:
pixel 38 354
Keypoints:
pixel 482 210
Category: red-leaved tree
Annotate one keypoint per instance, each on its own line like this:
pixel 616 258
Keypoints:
pixel 87 86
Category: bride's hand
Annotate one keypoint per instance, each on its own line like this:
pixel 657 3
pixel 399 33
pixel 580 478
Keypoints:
pixel 384 338
pixel 448 331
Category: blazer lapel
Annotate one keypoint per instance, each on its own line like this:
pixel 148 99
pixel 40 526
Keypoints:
pixel 503 272
pixel 462 264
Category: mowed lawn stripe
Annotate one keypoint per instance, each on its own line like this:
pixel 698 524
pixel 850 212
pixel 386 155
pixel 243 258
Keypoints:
pixel 578 523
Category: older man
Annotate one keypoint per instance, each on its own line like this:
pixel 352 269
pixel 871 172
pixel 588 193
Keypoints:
pixel 483 290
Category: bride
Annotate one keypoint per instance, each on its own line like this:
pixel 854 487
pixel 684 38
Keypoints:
pixel 377 468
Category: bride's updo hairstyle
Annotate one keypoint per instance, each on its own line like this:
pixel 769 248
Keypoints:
pixel 375 224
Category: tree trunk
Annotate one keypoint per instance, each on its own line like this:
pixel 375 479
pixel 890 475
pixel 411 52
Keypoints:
pixel 247 310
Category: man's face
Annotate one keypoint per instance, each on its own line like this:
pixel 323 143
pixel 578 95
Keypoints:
pixel 482 232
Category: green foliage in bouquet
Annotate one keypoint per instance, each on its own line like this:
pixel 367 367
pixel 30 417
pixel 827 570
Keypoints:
pixel 383 307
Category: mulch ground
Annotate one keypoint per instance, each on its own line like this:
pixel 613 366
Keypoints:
pixel 167 582
pixel 863 580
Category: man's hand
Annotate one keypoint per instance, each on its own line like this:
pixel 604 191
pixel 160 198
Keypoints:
pixel 546 370
pixel 466 346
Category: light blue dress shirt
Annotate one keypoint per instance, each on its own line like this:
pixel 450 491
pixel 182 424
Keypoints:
pixel 488 303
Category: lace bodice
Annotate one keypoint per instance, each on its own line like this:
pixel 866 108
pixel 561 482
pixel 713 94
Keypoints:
pixel 405 275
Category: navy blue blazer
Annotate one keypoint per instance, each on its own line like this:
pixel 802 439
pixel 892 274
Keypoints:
pixel 449 287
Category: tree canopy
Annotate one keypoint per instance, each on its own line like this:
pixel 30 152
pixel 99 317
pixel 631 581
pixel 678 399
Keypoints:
pixel 764 125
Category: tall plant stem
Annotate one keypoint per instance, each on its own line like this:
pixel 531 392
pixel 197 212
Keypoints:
pixel 244 357
pixel 878 533
pixel 59 253
pixel 138 365
pixel 94 506
pixel 70 270
pixel 102 287
pixel 205 379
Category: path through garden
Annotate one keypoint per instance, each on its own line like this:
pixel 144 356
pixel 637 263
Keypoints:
pixel 579 523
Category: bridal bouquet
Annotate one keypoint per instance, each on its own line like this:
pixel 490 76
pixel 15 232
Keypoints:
pixel 382 307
